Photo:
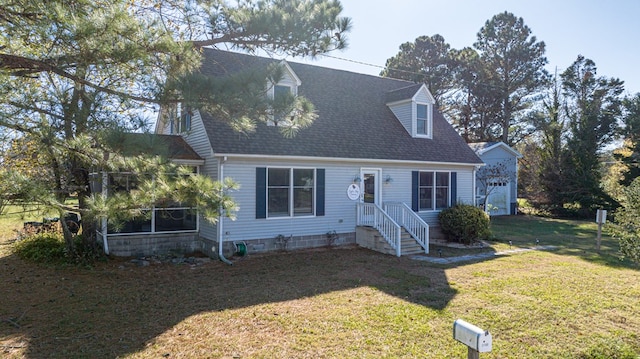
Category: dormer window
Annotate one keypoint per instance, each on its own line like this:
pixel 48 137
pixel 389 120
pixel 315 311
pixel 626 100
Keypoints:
pixel 281 93
pixel 281 90
pixel 181 123
pixel 422 119
pixel 413 107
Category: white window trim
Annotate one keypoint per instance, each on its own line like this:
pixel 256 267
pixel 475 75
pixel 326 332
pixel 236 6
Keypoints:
pixel 291 190
pixel 429 119
pixel 271 94
pixel 433 191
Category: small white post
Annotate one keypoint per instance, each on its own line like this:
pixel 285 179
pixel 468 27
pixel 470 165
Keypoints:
pixel 601 218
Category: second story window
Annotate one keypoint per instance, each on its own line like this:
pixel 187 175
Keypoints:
pixel 422 120
pixel 281 96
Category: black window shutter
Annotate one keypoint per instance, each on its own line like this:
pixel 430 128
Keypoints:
pixel 454 188
pixel 320 192
pixel 415 193
pixel 261 192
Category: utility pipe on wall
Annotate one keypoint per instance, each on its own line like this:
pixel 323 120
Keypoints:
pixel 221 217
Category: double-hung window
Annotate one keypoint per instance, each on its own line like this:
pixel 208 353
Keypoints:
pixel 422 120
pixel 290 192
pixel 281 96
pixel 433 190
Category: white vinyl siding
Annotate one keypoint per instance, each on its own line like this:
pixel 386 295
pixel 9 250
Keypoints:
pixel 198 140
pixel 339 209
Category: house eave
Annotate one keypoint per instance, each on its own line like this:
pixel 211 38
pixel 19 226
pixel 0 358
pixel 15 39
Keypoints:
pixel 188 162
pixel 504 146
pixel 343 159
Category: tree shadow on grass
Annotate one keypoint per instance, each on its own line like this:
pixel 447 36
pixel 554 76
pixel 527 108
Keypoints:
pixel 118 308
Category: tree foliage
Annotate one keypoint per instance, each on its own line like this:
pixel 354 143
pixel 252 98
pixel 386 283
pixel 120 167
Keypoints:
pixel 626 226
pixel 630 155
pixel 592 111
pixel 514 61
pixel 473 107
pixel 429 60
pixel 72 73
pixel 577 119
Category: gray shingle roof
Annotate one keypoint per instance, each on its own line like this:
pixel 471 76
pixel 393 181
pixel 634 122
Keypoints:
pixel 353 119
pixel 168 146
pixel 479 146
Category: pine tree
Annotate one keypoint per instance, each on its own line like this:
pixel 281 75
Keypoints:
pixel 74 72
pixel 514 61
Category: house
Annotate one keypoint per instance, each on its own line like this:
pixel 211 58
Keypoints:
pixel 375 168
pixel 497 182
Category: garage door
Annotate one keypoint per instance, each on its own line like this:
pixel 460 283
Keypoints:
pixel 498 200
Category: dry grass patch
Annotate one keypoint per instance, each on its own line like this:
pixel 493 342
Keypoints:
pixel 340 303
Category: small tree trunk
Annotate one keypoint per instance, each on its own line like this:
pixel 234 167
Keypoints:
pixel 68 236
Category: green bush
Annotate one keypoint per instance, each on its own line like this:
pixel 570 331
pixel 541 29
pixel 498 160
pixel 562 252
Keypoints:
pixel 626 226
pixel 42 248
pixel 464 223
pixel 50 248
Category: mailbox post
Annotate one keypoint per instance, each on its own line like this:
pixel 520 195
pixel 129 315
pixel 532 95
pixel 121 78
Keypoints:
pixel 477 340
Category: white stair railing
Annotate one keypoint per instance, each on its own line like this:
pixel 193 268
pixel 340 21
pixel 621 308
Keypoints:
pixel 372 215
pixel 402 214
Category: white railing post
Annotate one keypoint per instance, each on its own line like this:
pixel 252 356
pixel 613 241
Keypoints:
pixel 370 214
pixel 408 219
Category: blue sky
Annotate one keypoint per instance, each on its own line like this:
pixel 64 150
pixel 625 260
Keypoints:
pixel 605 31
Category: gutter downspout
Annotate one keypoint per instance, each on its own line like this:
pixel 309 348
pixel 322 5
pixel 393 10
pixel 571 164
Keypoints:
pixel 221 218
pixel 473 185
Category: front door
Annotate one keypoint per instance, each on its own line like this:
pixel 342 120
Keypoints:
pixel 370 186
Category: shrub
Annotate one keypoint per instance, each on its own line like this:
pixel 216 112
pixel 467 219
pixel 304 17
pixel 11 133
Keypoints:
pixel 50 248
pixel 45 247
pixel 464 223
pixel 626 227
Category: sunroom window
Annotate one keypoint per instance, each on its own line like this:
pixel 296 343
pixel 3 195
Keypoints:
pixel 164 217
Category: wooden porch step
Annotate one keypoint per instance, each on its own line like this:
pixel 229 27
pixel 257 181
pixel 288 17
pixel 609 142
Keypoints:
pixel 376 242
pixel 408 245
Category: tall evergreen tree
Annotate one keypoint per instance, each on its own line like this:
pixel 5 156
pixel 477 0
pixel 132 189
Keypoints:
pixel 592 112
pixel 428 60
pixel 473 105
pixel 515 61
pixel 550 122
pixel 631 134
pixel 72 72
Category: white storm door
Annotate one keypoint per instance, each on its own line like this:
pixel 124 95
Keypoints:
pixel 370 186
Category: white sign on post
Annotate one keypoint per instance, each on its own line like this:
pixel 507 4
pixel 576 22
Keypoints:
pixel 601 216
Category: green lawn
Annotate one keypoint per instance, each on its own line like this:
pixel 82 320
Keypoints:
pixel 342 303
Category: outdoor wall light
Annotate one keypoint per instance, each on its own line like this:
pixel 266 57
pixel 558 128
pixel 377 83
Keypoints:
pixel 388 180
pixel 357 179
